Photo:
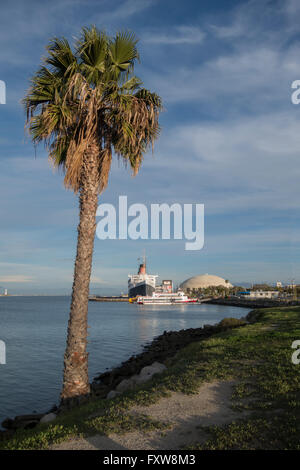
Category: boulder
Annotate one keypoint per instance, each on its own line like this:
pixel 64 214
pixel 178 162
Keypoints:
pixel 135 378
pixel 155 368
pixel 140 379
pixel 126 384
pixel 148 371
pixel 112 394
pixel 48 418
pixel 22 421
pixel 8 423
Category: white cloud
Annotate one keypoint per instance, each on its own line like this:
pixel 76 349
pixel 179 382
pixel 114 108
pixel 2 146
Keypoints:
pixel 17 278
pixel 254 70
pixel 125 9
pixel 251 78
pixel 292 7
pixel 36 21
pixel 97 280
pixel 235 164
pixel 178 35
pixel 255 21
pixel 257 240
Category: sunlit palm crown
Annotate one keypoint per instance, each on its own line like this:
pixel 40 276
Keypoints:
pixel 90 95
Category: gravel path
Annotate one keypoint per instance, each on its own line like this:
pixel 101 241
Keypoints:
pixel 186 413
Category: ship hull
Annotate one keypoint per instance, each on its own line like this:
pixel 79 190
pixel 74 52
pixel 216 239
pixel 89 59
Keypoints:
pixel 142 289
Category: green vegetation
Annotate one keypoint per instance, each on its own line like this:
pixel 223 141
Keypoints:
pixel 215 291
pixel 256 356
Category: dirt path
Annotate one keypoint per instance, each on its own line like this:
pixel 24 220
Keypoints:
pixel 186 413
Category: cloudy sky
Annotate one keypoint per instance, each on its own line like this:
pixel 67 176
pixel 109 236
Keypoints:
pixel 230 140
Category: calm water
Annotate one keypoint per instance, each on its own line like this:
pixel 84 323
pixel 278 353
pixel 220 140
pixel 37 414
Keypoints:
pixel 34 330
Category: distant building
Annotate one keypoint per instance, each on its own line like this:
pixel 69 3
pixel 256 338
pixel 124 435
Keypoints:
pixel 5 292
pixel 278 284
pixel 260 294
pixel 204 281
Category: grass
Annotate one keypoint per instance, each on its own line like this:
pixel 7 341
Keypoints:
pixel 256 356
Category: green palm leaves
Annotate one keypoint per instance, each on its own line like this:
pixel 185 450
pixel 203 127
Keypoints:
pixel 90 94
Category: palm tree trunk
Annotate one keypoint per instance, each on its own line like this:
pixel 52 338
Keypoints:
pixel 76 379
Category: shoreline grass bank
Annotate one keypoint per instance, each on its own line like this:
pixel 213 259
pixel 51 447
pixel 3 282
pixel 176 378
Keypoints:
pixel 255 357
pixel 253 303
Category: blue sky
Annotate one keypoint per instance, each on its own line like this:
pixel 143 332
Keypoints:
pixel 230 139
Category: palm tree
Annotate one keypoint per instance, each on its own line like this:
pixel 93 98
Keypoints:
pixel 84 104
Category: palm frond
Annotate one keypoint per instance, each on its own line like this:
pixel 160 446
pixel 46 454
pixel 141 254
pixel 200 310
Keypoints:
pixel 123 53
pixel 90 97
pixel 61 58
pixel 92 50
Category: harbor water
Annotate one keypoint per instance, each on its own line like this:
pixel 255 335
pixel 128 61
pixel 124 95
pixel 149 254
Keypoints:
pixel 34 331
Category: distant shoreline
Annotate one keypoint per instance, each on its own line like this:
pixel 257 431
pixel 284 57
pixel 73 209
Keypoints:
pixel 55 295
pixel 35 295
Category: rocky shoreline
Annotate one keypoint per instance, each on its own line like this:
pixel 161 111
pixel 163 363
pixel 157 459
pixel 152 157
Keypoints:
pixel 161 348
pixel 155 353
pixel 253 304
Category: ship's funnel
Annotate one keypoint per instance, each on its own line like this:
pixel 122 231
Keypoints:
pixel 142 268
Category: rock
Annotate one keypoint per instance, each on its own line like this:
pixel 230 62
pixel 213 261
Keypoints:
pixel 135 378
pixel 29 424
pixel 148 371
pixel 22 421
pixel 112 394
pixel 48 418
pixel 8 423
pixel 140 379
pixel 126 384
pixel 145 375
pixel 31 417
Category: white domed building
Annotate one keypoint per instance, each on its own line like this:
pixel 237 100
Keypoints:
pixel 204 281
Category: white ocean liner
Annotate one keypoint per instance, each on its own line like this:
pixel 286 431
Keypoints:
pixel 141 283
